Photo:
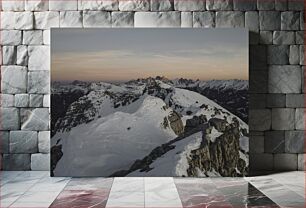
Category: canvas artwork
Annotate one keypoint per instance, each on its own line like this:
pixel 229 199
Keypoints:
pixel 149 102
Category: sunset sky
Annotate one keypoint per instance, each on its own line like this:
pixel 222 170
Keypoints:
pixel 124 54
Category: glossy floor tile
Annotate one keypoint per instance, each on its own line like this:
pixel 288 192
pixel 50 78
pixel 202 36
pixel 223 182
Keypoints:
pixel 200 193
pixel 128 185
pixel 126 199
pixel 277 192
pixel 36 199
pixel 161 192
pixel 81 199
pixel 21 189
pixel 90 184
pixel 15 184
pixel 84 192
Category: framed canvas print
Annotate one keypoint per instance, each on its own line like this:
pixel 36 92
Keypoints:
pixel 149 102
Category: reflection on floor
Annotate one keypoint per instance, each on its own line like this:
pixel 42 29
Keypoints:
pixel 221 193
pixel 36 189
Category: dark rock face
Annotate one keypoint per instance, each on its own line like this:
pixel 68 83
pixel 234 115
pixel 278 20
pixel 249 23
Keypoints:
pixel 219 124
pixel 154 89
pixel 176 123
pixel 234 101
pixel 56 155
pixel 221 156
pixel 194 122
pixel 79 112
pixel 61 102
pixel 123 99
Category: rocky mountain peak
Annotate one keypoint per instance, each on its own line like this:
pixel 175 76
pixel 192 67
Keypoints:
pixel 174 128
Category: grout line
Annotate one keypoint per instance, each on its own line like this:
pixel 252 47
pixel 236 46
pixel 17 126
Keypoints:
pixel 25 190
pixel 144 192
pixel 269 193
pixel 264 193
pixel 33 186
pixel 60 191
pixel 109 192
pixel 288 187
pixel 12 178
pixel 178 192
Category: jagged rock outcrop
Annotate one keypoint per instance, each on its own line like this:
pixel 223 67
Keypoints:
pixel 220 156
pixel 61 102
pixel 124 99
pixel 218 124
pixel 194 122
pixel 83 109
pixel 153 88
pixel 79 112
pixel 223 92
pixel 225 97
pixel 176 123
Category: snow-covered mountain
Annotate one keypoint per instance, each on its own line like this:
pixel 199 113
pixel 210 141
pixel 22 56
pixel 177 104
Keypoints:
pixel 230 94
pixel 233 84
pixel 144 127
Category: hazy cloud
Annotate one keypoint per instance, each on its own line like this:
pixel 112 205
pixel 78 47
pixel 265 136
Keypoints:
pixel 190 58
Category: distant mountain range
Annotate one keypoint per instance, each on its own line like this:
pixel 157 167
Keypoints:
pixel 150 127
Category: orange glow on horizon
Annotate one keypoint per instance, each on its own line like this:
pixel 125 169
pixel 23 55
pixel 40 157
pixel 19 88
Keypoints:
pixel 124 66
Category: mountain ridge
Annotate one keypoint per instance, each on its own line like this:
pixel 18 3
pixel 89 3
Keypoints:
pixel 100 104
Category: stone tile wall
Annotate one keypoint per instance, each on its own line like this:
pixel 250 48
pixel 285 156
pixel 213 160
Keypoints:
pixel 276 67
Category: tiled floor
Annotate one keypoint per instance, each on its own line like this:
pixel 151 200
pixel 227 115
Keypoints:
pixel 36 189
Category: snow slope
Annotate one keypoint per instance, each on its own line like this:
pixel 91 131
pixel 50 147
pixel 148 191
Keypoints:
pixel 174 162
pixel 192 101
pixel 113 142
